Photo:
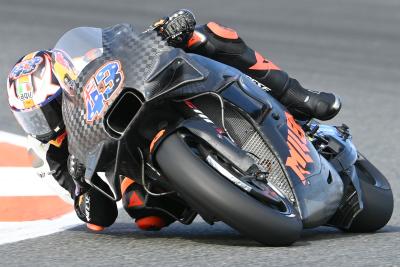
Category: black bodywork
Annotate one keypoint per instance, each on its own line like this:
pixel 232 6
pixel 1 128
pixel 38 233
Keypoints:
pixel 158 80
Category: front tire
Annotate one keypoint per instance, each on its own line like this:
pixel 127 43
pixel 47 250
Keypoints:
pixel 206 190
pixel 377 198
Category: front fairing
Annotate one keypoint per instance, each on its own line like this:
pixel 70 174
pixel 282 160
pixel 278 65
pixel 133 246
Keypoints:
pixel 105 63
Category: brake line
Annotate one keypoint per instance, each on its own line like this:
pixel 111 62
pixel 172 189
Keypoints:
pixel 144 179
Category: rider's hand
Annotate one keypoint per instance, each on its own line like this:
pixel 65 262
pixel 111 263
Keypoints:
pixel 176 28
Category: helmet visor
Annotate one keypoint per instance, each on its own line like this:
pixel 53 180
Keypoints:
pixel 42 122
pixel 33 122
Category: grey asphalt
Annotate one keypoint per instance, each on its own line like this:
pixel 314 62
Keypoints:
pixel 350 47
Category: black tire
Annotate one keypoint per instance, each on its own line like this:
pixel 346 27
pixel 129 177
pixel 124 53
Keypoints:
pixel 207 190
pixel 377 198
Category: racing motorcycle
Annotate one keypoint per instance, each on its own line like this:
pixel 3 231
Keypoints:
pixel 207 140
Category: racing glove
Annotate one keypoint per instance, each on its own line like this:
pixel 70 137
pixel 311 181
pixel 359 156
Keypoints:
pixel 95 208
pixel 177 28
pixel 90 205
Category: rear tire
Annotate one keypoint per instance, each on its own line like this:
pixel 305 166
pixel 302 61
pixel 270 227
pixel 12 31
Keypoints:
pixel 377 198
pixel 206 190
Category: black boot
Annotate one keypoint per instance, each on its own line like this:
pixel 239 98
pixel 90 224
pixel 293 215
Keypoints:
pixel 306 104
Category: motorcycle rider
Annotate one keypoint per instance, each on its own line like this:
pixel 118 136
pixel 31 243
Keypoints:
pixel 35 99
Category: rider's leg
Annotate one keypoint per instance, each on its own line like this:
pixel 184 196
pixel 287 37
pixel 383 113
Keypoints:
pixel 224 45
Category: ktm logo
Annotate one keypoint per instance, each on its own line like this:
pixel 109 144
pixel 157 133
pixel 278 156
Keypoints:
pixel 299 153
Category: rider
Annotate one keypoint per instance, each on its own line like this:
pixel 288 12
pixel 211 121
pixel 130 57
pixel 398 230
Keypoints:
pixel 35 99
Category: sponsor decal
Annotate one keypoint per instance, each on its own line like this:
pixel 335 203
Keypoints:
pixel 220 132
pixel 265 88
pixel 100 89
pixel 299 155
pixel 25 94
pixel 198 112
pixel 60 58
pixel 25 67
pixel 65 71
pixel 24 91
pixel 87 207
pixel 155 139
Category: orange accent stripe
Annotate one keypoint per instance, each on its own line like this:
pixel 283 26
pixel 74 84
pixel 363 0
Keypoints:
pixel 95 228
pixel 155 139
pixel 14 156
pixel 57 142
pixel 195 39
pixel 150 223
pixel 222 31
pixel 31 208
pixel 263 64
pixel 125 184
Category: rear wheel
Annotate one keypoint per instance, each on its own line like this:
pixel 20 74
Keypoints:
pixel 208 191
pixel 377 198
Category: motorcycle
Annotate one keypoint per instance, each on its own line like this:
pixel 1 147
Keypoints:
pixel 210 140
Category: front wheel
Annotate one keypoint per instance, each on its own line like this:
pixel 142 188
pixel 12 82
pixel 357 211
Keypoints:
pixel 206 190
pixel 377 198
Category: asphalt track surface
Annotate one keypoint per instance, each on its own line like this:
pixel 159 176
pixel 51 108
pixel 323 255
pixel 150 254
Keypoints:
pixel 350 47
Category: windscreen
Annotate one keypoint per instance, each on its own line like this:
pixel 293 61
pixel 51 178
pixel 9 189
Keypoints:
pixel 82 45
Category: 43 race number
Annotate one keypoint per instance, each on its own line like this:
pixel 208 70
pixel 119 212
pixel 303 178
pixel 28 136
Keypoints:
pixel 100 88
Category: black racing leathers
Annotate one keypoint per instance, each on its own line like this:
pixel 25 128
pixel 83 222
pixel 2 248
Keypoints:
pixel 224 45
pixel 57 158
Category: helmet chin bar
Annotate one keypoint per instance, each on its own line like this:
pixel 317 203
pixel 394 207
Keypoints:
pixel 51 135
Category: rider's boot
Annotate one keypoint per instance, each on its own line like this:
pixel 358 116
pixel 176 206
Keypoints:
pixel 306 104
pixel 134 202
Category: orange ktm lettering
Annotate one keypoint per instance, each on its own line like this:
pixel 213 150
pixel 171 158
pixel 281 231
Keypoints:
pixel 299 155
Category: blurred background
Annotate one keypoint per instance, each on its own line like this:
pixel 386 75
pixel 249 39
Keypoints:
pixel 350 47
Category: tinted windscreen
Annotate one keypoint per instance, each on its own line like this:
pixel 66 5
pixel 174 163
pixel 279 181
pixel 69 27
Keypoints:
pixel 82 45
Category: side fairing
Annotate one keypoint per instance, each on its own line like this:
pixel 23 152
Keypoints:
pixel 317 185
